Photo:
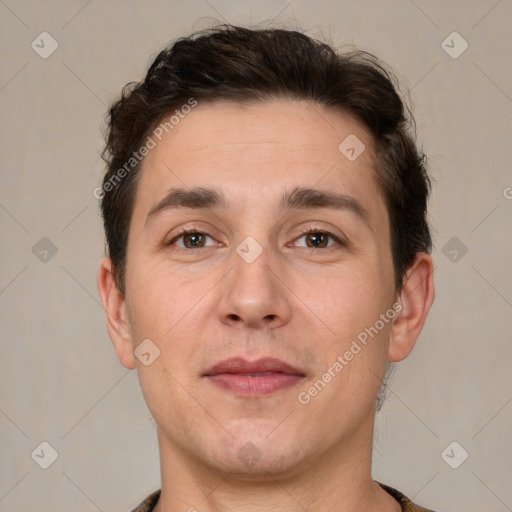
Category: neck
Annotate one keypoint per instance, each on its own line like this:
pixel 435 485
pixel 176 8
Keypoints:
pixel 336 481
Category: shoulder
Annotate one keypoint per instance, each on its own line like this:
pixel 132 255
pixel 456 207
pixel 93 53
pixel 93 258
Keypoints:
pixel 149 503
pixel 406 504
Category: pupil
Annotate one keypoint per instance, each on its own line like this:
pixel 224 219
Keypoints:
pixel 193 239
pixel 318 239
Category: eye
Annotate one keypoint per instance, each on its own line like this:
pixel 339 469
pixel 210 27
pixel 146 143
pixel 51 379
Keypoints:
pixel 318 239
pixel 314 238
pixel 191 239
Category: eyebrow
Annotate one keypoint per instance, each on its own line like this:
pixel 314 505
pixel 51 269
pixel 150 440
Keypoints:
pixel 299 198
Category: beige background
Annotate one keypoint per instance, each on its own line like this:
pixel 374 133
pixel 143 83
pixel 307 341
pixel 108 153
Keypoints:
pixel 60 381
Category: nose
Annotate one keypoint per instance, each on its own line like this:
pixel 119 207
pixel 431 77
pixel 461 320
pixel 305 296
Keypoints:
pixel 254 294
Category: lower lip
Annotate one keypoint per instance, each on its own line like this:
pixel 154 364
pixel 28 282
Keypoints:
pixel 256 385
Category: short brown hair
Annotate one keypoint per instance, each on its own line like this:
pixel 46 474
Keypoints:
pixel 245 65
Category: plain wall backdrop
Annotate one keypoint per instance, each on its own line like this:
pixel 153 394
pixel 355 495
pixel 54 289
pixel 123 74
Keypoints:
pixel 60 380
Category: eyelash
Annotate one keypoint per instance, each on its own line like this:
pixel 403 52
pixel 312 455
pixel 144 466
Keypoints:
pixel 311 230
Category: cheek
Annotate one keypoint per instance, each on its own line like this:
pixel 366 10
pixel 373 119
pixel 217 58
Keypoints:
pixel 157 298
pixel 353 350
pixel 170 312
pixel 346 300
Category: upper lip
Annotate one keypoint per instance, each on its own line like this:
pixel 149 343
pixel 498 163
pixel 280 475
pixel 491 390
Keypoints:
pixel 238 365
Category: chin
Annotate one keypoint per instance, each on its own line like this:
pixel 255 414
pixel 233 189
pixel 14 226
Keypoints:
pixel 254 464
pixel 258 449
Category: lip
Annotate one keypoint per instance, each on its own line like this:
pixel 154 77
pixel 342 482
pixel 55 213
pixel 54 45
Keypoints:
pixel 253 378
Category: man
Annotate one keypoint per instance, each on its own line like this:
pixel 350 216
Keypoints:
pixel 268 257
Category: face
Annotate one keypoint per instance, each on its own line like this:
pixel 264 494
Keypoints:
pixel 289 259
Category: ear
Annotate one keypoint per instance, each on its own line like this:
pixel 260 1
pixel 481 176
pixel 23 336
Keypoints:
pixel 115 312
pixel 416 297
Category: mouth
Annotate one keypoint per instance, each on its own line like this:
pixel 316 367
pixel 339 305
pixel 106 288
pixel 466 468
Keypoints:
pixel 257 378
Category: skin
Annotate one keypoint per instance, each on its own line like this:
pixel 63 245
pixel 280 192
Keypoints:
pixel 302 304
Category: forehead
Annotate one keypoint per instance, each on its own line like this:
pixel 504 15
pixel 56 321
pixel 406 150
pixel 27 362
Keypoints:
pixel 296 125
pixel 258 149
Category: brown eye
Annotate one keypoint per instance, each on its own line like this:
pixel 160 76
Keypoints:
pixel 193 240
pixel 190 240
pixel 315 239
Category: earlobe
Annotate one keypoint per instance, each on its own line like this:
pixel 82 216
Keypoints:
pixel 114 306
pixel 416 297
